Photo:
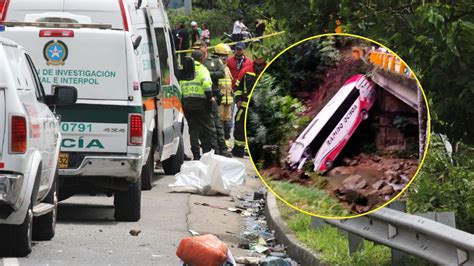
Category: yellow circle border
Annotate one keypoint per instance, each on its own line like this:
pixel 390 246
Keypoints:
pixel 428 132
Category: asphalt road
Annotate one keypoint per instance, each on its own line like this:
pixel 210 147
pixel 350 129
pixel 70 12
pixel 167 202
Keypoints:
pixel 87 234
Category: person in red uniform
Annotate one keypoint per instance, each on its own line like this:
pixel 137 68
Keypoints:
pixel 247 78
pixel 238 62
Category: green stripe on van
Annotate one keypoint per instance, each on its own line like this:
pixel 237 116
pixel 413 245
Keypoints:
pixel 94 113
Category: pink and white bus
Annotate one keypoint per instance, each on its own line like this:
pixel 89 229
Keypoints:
pixel 325 137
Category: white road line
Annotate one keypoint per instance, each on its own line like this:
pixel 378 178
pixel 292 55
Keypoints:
pixel 10 262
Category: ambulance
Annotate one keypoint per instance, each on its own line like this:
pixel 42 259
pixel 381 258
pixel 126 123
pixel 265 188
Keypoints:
pixel 327 134
pixel 120 56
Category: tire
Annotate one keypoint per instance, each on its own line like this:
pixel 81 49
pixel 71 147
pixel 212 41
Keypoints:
pixel 16 239
pixel 148 171
pixel 128 203
pixel 172 165
pixel 44 227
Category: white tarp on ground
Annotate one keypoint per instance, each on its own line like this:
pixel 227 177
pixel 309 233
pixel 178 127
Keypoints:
pixel 213 174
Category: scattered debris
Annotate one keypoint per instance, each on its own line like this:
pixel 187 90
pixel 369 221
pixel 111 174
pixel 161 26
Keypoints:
pixel 248 260
pixel 135 232
pixel 193 233
pixel 209 205
pixel 256 235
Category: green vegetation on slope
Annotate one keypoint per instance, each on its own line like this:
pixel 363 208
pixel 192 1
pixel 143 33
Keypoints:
pixel 309 199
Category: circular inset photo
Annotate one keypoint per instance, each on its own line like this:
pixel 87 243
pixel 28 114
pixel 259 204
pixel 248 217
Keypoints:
pixel 337 126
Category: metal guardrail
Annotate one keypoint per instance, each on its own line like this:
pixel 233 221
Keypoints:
pixel 390 62
pixel 415 235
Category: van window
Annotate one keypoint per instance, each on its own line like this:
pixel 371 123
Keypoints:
pixel 164 56
pixel 39 90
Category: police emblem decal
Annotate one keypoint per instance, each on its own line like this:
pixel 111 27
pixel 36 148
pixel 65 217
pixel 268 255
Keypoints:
pixel 55 52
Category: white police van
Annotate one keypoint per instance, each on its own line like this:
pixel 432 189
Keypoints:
pixel 29 148
pixel 118 54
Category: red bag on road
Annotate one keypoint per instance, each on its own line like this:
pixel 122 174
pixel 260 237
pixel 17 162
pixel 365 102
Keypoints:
pixel 205 250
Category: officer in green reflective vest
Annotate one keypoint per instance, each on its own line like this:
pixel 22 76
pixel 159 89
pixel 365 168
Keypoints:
pixel 197 94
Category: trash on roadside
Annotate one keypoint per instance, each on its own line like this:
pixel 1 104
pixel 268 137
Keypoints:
pixel 205 250
pixel 135 232
pixel 212 174
pixel 234 210
pixel 209 205
pixel 258 248
pixel 248 260
pixel 193 233
pixel 276 261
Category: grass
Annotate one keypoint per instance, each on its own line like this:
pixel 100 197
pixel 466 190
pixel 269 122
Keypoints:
pixel 331 243
pixel 309 199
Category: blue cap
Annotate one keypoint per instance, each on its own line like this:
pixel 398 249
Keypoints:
pixel 240 45
pixel 2 28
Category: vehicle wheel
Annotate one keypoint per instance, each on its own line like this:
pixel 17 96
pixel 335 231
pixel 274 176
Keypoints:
pixel 128 203
pixel 364 114
pixel 16 239
pixel 148 171
pixel 44 226
pixel 172 165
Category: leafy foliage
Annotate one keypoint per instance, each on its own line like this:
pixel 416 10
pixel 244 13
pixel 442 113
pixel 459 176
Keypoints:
pixel 444 186
pixel 437 40
pixel 218 21
pixel 272 116
pixel 303 66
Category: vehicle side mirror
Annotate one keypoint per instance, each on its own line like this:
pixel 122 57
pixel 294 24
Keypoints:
pixel 149 89
pixel 63 95
pixel 187 72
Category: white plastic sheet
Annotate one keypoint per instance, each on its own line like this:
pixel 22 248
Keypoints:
pixel 213 174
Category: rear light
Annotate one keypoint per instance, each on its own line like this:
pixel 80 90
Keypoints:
pixel 135 129
pixel 3 9
pixel 56 33
pixel 2 165
pixel 18 134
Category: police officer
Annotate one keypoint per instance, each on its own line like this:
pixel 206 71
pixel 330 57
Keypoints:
pixel 244 84
pixel 197 94
pixel 216 68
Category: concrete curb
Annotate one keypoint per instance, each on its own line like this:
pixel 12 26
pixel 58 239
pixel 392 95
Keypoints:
pixel 295 249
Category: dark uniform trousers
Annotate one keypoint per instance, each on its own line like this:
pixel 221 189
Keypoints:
pixel 241 95
pixel 221 145
pixel 201 126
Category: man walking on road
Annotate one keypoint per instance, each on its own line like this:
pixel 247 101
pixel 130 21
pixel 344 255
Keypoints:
pixel 244 84
pixel 197 105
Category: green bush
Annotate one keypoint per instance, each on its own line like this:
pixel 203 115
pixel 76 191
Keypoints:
pixel 445 184
pixel 273 116
pixel 218 21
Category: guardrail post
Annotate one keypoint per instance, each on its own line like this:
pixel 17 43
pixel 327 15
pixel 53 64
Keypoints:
pixel 399 257
pixel 356 243
pixel 317 223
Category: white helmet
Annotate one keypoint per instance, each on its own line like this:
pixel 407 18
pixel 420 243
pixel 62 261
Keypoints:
pixel 193 23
